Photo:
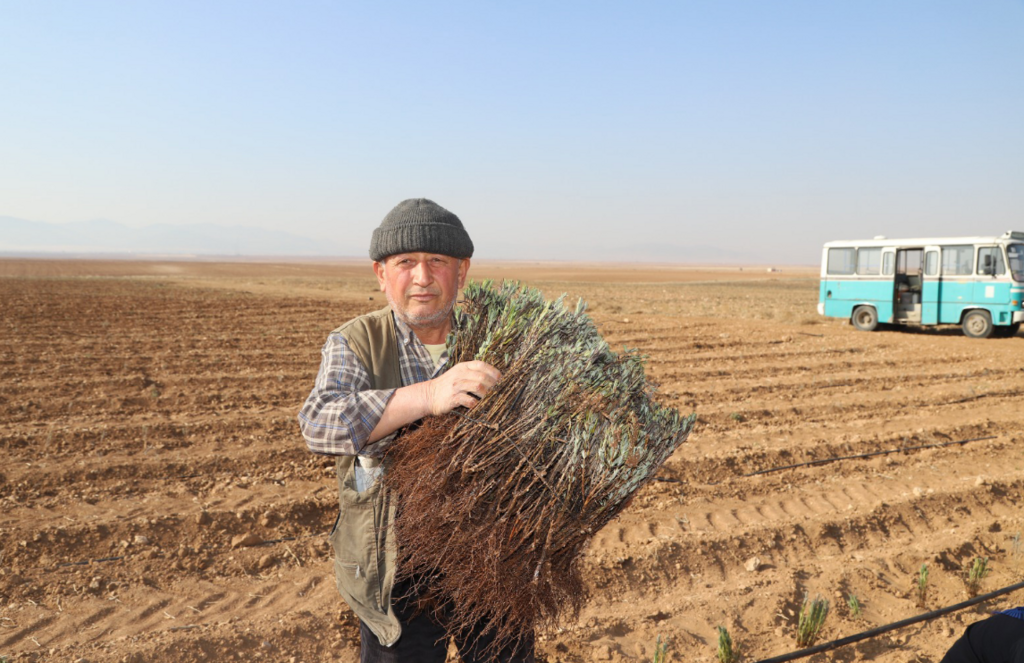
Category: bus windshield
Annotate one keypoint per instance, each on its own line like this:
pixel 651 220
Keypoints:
pixel 1015 254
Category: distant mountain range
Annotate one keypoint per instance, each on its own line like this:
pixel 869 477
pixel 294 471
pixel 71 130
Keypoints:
pixel 101 236
pixel 109 238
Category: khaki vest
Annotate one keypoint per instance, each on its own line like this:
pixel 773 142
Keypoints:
pixel 364 549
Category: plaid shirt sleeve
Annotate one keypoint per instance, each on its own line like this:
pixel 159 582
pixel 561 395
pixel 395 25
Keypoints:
pixel 342 410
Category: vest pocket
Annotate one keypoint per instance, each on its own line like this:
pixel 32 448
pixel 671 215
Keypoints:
pixel 356 546
pixel 355 557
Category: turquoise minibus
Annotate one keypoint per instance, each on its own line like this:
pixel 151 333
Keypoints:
pixel 974 282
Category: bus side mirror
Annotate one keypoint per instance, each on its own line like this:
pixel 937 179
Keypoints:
pixel 987 266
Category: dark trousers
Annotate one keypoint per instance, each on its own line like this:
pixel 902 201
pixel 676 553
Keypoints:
pixel 425 639
pixel 998 639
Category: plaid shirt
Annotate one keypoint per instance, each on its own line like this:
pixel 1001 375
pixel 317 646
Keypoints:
pixel 342 410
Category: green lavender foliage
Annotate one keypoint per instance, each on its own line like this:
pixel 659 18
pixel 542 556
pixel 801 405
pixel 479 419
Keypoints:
pixel 726 651
pixel 597 417
pixel 854 603
pixel 921 586
pixel 811 619
pixel 975 574
pixel 660 652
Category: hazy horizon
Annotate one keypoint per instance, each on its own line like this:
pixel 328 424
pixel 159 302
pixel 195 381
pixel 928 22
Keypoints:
pixel 576 131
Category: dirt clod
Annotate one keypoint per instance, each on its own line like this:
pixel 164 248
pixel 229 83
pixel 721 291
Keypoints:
pixel 245 540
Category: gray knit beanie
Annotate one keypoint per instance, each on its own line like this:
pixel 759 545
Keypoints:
pixel 417 225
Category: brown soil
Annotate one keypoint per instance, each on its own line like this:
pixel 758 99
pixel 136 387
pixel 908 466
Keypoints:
pixel 157 502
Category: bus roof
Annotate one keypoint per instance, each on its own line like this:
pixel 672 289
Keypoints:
pixel 928 241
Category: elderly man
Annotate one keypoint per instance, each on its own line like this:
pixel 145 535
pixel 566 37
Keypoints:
pixel 378 373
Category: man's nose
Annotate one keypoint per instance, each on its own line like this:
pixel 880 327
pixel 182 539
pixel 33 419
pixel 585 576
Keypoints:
pixel 421 274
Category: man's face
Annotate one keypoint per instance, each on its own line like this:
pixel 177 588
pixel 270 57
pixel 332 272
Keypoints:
pixel 422 287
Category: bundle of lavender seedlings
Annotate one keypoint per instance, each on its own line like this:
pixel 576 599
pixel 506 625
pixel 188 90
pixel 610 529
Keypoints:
pixel 497 502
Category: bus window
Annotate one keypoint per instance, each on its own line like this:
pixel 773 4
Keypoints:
pixel 990 261
pixel 869 261
pixel 931 263
pixel 1015 253
pixel 908 261
pixel 958 260
pixel 841 261
pixel 887 263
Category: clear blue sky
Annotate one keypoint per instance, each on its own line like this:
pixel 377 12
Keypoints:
pixel 553 129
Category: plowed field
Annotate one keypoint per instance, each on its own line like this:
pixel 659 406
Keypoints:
pixel 157 502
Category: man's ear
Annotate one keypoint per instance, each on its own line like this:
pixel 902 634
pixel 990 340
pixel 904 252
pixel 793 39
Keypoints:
pixel 378 269
pixel 463 270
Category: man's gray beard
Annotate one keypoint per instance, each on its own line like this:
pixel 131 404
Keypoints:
pixel 423 322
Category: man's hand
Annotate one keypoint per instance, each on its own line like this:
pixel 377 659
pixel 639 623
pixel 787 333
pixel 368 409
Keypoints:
pixel 463 384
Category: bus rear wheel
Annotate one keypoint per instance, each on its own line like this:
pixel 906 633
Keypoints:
pixel 977 324
pixel 865 318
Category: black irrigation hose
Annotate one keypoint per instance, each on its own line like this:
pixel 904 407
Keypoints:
pixel 850 639
pixel 868 455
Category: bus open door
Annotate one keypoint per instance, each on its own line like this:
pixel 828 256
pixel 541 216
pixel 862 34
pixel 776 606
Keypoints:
pixel 908 285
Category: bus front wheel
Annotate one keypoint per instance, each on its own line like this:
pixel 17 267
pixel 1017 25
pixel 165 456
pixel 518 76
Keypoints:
pixel 865 318
pixel 977 324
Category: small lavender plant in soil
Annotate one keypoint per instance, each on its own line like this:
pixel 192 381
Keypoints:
pixel 975 574
pixel 660 651
pixel 854 603
pixel 811 619
pixel 921 586
pixel 726 651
